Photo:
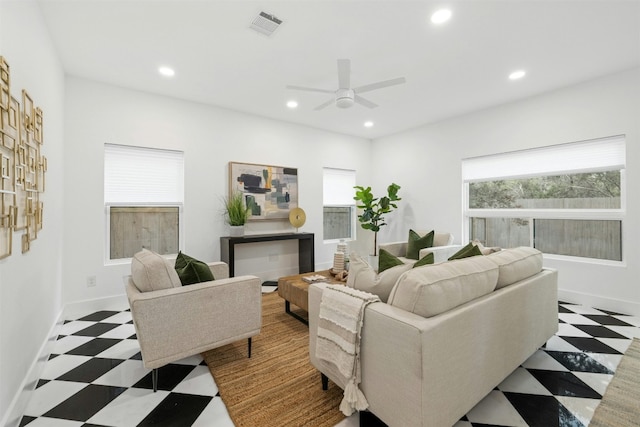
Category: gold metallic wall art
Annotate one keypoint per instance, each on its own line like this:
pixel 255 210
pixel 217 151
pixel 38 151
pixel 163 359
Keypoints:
pixel 22 166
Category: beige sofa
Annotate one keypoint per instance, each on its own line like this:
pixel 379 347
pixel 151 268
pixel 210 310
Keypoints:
pixel 442 249
pixel 174 321
pixel 448 335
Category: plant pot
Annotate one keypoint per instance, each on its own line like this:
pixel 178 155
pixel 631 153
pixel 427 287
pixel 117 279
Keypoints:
pixel 236 230
pixel 373 261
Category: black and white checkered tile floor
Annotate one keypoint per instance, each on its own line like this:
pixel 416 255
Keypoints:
pixel 95 377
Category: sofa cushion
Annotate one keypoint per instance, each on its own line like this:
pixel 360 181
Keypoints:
pixel 363 277
pixel 387 261
pixel 417 242
pixel 432 290
pixel 191 270
pixel 151 272
pixel 467 251
pixel 516 264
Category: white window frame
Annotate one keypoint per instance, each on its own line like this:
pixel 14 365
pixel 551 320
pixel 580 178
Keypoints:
pixel 343 200
pixel 563 152
pixel 177 202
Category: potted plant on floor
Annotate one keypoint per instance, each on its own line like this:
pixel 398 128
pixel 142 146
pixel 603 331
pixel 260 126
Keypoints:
pixel 236 213
pixel 374 209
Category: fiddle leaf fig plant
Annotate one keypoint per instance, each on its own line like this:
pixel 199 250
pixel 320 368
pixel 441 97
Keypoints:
pixel 374 209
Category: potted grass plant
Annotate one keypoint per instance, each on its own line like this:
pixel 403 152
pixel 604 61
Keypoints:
pixel 236 213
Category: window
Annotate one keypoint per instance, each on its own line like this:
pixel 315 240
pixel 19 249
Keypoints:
pixel 143 196
pixel 339 208
pixel 565 199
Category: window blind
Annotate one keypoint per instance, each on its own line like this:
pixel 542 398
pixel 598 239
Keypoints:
pixel 140 175
pixel 338 187
pixel 586 156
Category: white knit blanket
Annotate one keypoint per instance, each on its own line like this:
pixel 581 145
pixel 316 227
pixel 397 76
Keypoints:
pixel 339 326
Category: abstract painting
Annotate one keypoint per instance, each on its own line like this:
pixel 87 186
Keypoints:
pixel 270 192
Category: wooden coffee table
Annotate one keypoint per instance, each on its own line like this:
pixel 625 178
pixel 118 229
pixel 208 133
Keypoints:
pixel 295 291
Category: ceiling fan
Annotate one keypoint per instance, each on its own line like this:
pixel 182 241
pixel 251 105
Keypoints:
pixel 345 96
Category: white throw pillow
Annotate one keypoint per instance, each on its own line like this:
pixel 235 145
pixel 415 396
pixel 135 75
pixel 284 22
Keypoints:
pixel 364 277
pixel 151 272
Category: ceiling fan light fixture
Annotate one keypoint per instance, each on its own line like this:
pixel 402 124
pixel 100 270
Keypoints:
pixel 368 124
pixel 344 98
pixel 292 104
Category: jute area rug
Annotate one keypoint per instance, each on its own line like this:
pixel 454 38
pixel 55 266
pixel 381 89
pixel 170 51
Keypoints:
pixel 277 386
pixel 620 405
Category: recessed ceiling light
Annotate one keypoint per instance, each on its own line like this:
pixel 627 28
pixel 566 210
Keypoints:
pixel 368 124
pixel 166 71
pixel 517 75
pixel 440 16
pixel 292 104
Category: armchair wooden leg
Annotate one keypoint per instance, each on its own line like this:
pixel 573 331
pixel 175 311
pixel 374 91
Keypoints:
pixel 154 379
pixel 325 381
pixel 249 345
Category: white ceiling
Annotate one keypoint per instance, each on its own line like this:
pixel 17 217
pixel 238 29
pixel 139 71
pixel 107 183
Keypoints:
pixel 451 69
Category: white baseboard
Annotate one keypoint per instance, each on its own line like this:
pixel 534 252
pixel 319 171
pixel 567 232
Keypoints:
pixel 610 304
pixel 70 311
pixel 324 266
pixel 79 309
pixel 19 404
pixel 273 275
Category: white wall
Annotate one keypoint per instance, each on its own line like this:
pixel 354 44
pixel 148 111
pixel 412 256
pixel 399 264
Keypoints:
pixel 210 137
pixel 426 163
pixel 30 284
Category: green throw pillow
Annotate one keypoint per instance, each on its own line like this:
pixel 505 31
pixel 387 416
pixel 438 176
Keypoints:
pixel 386 260
pixel 191 271
pixel 425 260
pixel 416 243
pixel 468 251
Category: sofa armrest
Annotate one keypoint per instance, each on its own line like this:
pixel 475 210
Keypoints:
pixel 391 347
pixel 398 249
pixel 440 253
pixel 219 269
pixel 178 322
pixel 398 326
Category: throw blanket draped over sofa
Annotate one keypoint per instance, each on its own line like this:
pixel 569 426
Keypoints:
pixel 341 315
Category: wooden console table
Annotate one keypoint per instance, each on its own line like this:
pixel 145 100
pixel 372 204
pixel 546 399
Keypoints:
pixel 306 257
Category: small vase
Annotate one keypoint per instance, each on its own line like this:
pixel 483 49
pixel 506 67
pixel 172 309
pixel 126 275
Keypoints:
pixel 236 230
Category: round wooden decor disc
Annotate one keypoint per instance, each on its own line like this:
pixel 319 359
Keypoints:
pixel 297 217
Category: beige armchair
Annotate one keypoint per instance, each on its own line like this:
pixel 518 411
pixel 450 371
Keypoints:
pixel 174 321
pixel 442 249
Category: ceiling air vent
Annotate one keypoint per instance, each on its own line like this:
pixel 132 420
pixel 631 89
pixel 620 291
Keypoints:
pixel 265 23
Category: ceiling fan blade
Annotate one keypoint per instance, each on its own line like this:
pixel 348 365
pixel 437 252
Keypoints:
pixel 379 85
pixel 309 89
pixel 324 104
pixel 362 101
pixel 344 73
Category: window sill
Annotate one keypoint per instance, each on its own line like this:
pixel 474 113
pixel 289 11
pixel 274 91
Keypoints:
pixel 581 260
